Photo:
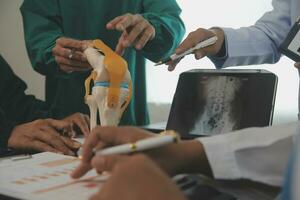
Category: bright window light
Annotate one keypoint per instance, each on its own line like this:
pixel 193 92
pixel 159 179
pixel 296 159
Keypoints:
pixel 231 13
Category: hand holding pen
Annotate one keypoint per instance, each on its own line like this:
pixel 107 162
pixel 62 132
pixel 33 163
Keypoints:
pixel 201 42
pixel 112 142
pixel 164 138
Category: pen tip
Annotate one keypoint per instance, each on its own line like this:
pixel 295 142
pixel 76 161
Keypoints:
pixel 159 63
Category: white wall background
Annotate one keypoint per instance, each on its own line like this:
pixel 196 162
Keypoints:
pixel 12 46
pixel 161 83
pixel 229 13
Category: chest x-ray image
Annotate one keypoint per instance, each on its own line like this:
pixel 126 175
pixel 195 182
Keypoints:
pixel 209 102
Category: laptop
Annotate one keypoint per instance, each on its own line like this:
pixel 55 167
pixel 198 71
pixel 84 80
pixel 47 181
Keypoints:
pixel 209 102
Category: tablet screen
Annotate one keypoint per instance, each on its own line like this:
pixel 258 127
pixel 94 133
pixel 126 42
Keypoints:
pixel 209 102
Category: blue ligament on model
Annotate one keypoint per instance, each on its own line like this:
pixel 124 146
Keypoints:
pixel 107 84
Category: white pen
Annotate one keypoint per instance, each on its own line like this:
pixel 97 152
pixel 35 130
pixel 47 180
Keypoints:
pixel 165 138
pixel 200 45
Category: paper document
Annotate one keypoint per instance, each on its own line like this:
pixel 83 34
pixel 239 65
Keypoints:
pixel 46 176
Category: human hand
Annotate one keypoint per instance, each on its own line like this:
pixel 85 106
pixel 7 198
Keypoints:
pixel 194 38
pixel 68 54
pixel 102 137
pixel 136 31
pixel 80 123
pixel 43 135
pixel 297 65
pixel 185 157
pixel 138 178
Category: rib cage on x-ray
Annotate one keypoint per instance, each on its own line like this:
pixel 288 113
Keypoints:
pixel 218 114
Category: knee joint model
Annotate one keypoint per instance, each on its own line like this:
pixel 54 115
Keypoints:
pixel 112 85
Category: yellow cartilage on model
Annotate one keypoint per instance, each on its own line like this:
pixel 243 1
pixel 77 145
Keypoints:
pixel 116 67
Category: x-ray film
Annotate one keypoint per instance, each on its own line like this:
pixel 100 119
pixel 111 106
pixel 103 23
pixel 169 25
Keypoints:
pixel 209 102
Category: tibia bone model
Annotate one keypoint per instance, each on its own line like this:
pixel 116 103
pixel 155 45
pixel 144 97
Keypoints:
pixel 112 86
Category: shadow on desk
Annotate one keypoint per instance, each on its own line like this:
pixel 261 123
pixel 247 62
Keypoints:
pixel 6 198
pixel 198 187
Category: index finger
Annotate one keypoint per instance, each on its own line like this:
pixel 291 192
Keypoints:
pixel 60 124
pixel 82 122
pixel 100 137
pixel 50 136
pixel 172 64
pixel 90 143
pixel 112 23
pixel 187 44
pixel 71 43
pixel 125 21
pixel 93 140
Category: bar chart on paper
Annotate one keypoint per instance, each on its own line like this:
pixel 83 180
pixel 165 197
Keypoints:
pixel 46 176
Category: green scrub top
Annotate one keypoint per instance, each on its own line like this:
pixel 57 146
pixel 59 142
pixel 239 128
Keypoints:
pixel 46 20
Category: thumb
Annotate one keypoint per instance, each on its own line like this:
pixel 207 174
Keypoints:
pixel 107 163
pixel 297 65
pixel 199 54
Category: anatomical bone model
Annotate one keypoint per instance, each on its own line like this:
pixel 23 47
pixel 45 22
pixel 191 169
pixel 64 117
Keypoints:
pixel 112 86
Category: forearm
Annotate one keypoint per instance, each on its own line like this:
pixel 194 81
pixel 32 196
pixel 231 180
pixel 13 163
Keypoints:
pixel 169 31
pixel 193 157
pixel 257 44
pixel 185 157
pixel 23 108
pixel 164 16
pixel 19 106
pixel 40 55
pixel 41 29
pixel 258 154
pixel 16 105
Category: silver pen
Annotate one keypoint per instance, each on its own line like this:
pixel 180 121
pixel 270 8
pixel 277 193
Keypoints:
pixel 200 45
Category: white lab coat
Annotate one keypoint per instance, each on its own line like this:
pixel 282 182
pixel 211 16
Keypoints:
pixel 260 43
pixel 258 154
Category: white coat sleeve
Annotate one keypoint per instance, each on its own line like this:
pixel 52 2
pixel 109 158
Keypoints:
pixel 259 43
pixel 257 154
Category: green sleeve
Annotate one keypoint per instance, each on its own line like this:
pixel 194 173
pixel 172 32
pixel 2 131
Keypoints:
pixel 165 17
pixel 41 28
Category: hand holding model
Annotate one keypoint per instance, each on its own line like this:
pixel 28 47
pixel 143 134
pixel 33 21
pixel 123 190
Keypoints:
pixel 68 54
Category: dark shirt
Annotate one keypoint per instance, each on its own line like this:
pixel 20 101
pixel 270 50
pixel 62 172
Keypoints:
pixel 15 106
